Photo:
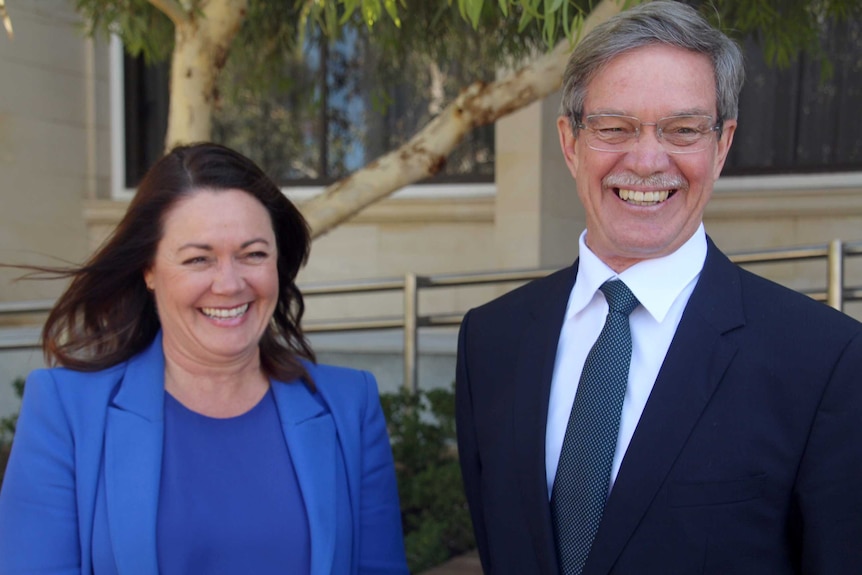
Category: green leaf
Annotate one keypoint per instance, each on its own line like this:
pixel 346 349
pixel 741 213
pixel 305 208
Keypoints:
pixel 350 7
pixel 474 11
pixel 567 22
pixel 371 11
pixel 392 10
pixel 504 7
pixel 331 19
pixel 549 31
pixel 552 6
pixel 462 8
pixel 524 21
pixel 532 7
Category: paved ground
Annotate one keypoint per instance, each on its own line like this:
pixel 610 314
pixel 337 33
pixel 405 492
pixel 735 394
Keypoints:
pixel 467 564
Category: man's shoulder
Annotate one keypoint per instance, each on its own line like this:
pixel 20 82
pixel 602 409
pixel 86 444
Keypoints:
pixel 554 286
pixel 771 300
pixel 767 303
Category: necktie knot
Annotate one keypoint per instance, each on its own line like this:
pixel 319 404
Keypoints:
pixel 620 297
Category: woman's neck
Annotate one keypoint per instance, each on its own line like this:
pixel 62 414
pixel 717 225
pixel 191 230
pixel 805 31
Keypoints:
pixel 216 391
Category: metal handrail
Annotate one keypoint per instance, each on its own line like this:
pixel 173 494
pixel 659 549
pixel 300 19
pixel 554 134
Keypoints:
pixel 410 321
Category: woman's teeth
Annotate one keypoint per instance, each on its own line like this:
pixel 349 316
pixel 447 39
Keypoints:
pixel 222 313
pixel 643 198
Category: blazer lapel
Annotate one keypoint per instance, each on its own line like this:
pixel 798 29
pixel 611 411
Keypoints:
pixel 532 377
pixel 695 363
pixel 133 460
pixel 310 434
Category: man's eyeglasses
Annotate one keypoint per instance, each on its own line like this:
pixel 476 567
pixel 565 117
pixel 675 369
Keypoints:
pixel 678 134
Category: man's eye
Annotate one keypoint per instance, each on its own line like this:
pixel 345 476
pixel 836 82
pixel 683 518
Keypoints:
pixel 616 133
pixel 682 130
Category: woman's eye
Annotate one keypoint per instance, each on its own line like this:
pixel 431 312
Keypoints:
pixel 257 255
pixel 195 260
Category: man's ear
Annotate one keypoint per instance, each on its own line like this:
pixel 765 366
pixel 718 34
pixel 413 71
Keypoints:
pixel 567 143
pixel 724 143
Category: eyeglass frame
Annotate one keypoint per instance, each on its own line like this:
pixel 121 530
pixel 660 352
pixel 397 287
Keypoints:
pixel 581 125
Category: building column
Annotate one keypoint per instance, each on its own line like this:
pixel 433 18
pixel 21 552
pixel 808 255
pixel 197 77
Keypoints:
pixel 538 216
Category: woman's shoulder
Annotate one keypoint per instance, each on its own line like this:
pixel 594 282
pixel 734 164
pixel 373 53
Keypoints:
pixel 74 386
pixel 338 375
pixel 346 386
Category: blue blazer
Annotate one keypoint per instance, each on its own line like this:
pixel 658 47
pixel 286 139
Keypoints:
pixel 747 458
pixel 81 489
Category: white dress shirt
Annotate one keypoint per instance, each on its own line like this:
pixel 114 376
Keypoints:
pixel 662 286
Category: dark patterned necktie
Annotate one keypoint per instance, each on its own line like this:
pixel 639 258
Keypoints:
pixel 584 472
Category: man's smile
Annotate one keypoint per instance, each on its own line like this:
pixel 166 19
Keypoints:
pixel 639 198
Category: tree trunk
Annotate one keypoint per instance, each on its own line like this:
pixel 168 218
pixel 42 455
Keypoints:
pixel 425 154
pixel 203 36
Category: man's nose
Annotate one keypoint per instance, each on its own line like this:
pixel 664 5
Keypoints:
pixel 648 154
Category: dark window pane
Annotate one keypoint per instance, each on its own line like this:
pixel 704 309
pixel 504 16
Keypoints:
pixel 146 115
pixel 796 120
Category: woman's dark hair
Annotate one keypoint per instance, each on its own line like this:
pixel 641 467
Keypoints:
pixel 107 315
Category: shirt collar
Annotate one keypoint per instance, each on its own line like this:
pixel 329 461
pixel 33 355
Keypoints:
pixel 656 282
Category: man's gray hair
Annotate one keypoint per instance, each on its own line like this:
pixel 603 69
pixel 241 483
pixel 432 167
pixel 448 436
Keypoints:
pixel 660 22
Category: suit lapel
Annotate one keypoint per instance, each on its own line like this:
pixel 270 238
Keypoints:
pixel 532 378
pixel 133 461
pixel 310 434
pixel 695 363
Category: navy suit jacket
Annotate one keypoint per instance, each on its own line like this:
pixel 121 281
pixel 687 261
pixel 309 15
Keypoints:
pixel 81 490
pixel 747 458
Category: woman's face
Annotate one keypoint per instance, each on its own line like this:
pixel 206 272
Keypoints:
pixel 215 278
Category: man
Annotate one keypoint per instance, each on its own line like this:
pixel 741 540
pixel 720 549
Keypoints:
pixel 735 425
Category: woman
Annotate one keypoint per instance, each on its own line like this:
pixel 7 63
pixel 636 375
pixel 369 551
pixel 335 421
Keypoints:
pixel 189 429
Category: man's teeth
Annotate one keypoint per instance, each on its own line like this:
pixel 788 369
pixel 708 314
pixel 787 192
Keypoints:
pixel 643 198
pixel 221 313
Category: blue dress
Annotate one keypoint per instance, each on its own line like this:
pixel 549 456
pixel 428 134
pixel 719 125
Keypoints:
pixel 229 500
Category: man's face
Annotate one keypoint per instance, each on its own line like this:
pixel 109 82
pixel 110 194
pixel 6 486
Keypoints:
pixel 648 83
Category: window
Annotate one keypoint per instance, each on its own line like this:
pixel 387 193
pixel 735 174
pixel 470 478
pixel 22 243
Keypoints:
pixel 326 116
pixel 334 116
pixel 794 121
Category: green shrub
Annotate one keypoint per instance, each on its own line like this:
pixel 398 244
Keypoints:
pixel 7 430
pixel 434 511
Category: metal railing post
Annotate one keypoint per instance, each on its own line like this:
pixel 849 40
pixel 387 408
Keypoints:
pixel 835 275
pixel 411 332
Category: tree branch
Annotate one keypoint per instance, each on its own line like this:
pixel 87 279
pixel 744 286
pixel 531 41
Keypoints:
pixel 425 154
pixel 7 22
pixel 173 10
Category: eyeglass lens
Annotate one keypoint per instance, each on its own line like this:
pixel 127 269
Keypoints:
pixel 678 134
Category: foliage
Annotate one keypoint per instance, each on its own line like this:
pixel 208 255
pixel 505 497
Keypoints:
pixel 273 28
pixel 7 429
pixel 433 507
pixel 144 29
pixel 782 28
pixel 7 424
